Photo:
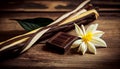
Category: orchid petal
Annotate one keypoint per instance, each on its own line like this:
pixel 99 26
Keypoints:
pixel 83 28
pixel 92 28
pixel 98 42
pixel 82 48
pixel 98 33
pixel 78 30
pixel 91 47
pixel 76 43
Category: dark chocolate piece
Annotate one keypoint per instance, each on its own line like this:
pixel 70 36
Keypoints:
pixel 61 42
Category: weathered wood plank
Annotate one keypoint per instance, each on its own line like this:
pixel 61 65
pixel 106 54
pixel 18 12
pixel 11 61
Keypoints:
pixel 54 5
pixel 105 58
pixel 41 57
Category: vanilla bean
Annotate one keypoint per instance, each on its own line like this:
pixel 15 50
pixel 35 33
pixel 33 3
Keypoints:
pixel 66 15
pixel 68 27
pixel 12 41
pixel 12 50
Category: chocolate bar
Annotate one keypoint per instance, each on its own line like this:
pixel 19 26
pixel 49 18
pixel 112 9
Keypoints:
pixel 61 42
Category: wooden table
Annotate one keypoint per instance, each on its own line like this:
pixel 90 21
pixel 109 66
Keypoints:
pixel 40 57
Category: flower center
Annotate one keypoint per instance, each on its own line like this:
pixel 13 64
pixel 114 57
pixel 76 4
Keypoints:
pixel 87 37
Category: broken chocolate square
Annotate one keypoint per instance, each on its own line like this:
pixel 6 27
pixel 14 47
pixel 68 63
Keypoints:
pixel 61 42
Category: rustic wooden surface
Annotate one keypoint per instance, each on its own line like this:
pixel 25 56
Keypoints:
pixel 54 5
pixel 41 57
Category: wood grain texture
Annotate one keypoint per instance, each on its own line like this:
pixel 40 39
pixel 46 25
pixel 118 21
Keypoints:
pixel 41 57
pixel 54 5
pixel 106 58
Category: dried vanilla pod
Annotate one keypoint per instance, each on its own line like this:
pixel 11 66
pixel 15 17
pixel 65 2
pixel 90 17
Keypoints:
pixel 67 27
pixel 16 40
pixel 66 22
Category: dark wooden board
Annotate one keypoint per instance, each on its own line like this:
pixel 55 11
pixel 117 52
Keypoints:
pixel 54 5
pixel 106 58
pixel 40 57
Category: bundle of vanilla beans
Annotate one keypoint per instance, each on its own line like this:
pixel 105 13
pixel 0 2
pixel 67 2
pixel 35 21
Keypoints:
pixel 83 14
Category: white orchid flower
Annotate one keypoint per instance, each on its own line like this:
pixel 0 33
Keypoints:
pixel 89 39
